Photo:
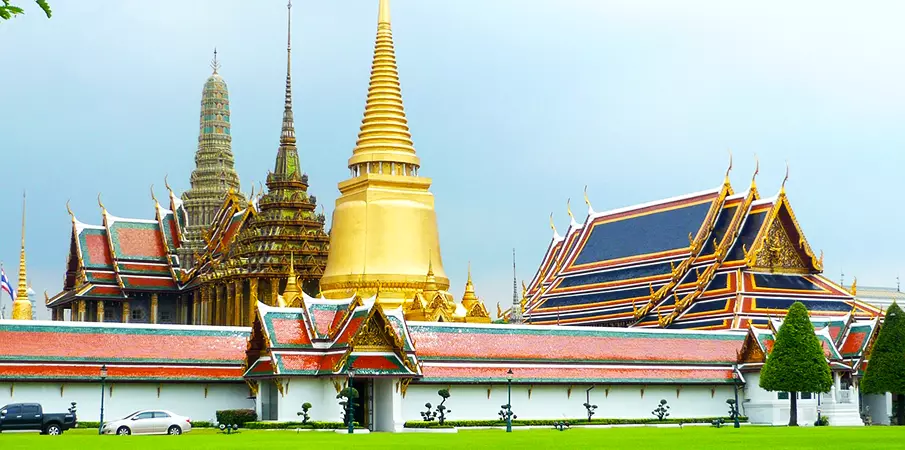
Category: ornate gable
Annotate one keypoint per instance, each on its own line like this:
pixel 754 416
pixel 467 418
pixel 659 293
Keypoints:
pixel 751 351
pixel 780 246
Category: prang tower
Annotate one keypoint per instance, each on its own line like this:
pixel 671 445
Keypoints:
pixel 384 225
pixel 214 175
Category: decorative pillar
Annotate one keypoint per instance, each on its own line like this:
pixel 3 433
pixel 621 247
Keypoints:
pixel 252 300
pixel 237 305
pixel 100 310
pixel 185 309
pixel 153 308
pixel 196 306
pixel 274 291
pixel 126 311
pixel 82 311
pixel 218 306
pixel 230 299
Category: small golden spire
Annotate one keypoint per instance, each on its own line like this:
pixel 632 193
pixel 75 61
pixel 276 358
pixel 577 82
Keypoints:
pixel 291 293
pixel 21 305
pixel 469 298
pixel 384 135
pixel 854 289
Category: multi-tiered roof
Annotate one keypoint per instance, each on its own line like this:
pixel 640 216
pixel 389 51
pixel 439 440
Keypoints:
pixel 709 260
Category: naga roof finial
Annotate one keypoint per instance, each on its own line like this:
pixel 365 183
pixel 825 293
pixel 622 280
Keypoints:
pixel 69 210
pixel 553 227
pixel 728 169
pixel 153 197
pixel 167 184
pixel 574 224
pixel 588 201
pixel 100 203
pixel 756 171
pixel 782 189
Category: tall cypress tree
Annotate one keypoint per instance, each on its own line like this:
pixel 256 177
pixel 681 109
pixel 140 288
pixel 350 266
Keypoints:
pixel 886 363
pixel 797 363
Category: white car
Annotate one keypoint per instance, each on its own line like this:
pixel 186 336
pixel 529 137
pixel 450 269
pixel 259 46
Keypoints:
pixel 149 422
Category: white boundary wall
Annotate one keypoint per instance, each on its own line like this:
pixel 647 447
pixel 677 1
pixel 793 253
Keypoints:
pixel 187 399
pixel 471 402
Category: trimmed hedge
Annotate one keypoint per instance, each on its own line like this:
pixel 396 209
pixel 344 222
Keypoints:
pixel 202 424
pixel 550 422
pixel 294 425
pixel 236 416
pixel 81 424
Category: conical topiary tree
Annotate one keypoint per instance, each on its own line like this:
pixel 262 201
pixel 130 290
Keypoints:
pixel 886 362
pixel 797 363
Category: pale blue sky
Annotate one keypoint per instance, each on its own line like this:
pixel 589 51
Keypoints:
pixel 514 106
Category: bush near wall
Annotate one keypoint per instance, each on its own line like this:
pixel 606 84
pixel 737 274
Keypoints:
pixel 236 416
pixel 94 425
pixel 202 424
pixel 294 425
pixel 551 422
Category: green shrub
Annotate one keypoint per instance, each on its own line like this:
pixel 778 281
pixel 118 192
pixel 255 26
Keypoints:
pixel 202 424
pixel 551 422
pixel 294 425
pixel 236 416
pixel 81 424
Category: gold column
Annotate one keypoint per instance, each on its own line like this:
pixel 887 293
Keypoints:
pixel 252 300
pixel 195 306
pixel 153 308
pixel 82 311
pixel 274 291
pixel 100 310
pixel 126 312
pixel 184 310
pixel 237 307
pixel 209 306
pixel 218 307
pixel 230 303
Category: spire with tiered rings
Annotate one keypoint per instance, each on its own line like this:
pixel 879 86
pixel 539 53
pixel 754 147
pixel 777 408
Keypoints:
pixel 21 306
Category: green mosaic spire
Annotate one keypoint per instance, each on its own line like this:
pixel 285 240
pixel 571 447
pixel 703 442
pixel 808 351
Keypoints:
pixel 286 223
pixel 214 175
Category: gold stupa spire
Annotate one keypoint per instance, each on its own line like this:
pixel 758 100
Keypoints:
pixel 21 306
pixel 469 298
pixel 291 293
pixel 384 136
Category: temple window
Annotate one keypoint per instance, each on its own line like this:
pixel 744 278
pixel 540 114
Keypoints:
pixel 137 315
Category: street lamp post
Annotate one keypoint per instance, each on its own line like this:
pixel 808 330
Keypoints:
pixel 100 428
pixel 350 406
pixel 509 402
pixel 735 413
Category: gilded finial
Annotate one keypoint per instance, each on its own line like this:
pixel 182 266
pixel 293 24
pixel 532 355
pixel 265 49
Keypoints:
pixel 469 273
pixel 553 226
pixel 153 197
pixel 728 169
pixel 854 289
pixel 569 210
pixel 214 63
pixel 588 201
pixel 821 258
pixel 101 204
pixel 782 189
pixel 377 293
pixel 756 171
pixel 69 210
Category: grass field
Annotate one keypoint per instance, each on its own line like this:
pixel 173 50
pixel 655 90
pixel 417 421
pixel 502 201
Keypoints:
pixel 630 438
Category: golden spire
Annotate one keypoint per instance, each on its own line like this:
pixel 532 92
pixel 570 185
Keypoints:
pixel 469 298
pixel 384 135
pixel 287 136
pixel 756 171
pixel 430 283
pixel 782 189
pixel 729 169
pixel 291 293
pixel 21 306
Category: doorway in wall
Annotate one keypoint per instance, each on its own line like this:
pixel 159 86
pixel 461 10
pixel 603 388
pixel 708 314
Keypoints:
pixel 364 412
pixel 270 397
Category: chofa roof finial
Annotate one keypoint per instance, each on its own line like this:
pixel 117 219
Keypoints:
pixel 782 189
pixel 588 201
pixel 728 169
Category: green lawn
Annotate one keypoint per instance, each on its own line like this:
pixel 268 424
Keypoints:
pixel 632 438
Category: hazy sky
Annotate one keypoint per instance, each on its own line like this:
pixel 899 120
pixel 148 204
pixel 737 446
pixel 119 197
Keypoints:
pixel 514 106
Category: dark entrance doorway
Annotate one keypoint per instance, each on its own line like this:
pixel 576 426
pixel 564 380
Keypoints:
pixel 364 410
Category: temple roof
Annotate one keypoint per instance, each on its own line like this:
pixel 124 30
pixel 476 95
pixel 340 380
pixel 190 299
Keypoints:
pixel 37 350
pixel 456 352
pixel 708 260
pixel 330 337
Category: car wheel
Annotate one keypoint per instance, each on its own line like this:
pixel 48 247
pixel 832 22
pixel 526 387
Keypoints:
pixel 53 430
pixel 174 430
pixel 123 431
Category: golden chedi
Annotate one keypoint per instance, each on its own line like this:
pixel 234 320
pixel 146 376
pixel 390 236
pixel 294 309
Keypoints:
pixel 21 305
pixel 384 225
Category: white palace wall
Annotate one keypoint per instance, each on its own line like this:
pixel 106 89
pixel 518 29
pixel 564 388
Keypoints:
pixel 472 402
pixel 186 399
